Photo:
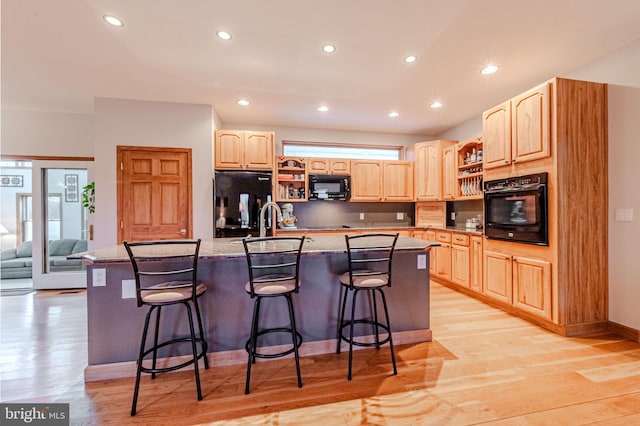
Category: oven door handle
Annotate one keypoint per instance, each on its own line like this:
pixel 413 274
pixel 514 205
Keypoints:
pixel 510 189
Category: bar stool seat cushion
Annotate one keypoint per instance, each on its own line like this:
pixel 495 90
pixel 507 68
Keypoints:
pixel 169 292
pixel 270 287
pixel 374 280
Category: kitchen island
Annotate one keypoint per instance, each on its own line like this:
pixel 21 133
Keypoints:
pixel 115 322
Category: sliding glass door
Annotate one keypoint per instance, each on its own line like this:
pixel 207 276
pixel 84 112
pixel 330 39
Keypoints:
pixel 60 224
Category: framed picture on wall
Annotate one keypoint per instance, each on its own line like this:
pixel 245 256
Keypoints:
pixel 71 191
pixel 14 181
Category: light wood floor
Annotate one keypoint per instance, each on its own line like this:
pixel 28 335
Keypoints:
pixel 483 367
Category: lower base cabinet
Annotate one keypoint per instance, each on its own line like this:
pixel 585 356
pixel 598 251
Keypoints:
pixel 522 282
pixel 475 272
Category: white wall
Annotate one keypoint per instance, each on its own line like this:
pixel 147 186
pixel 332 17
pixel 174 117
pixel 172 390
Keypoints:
pixel 46 133
pixel 621 70
pixel 160 124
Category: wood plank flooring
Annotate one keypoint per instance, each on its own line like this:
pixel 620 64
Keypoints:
pixel 483 367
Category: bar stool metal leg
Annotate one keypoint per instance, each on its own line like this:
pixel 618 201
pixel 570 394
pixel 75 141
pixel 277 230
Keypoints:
pixel 143 343
pixel 294 338
pixel 201 328
pixel 341 319
pixel 386 314
pixel 195 352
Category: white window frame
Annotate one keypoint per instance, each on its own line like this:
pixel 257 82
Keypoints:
pixel 335 150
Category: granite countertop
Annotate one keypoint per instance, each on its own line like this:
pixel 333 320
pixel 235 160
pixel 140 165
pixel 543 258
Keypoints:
pixel 232 247
pixel 460 229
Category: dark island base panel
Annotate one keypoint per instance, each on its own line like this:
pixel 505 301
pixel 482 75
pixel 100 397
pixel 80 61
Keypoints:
pixel 115 324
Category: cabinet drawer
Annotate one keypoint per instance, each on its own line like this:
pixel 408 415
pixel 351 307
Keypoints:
pixel 460 239
pixel 443 237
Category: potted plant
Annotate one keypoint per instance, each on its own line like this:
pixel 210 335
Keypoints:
pixel 89 197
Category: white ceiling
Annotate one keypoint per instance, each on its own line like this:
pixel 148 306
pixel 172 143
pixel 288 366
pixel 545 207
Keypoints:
pixel 58 55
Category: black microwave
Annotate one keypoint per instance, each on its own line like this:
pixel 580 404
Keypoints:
pixel 329 187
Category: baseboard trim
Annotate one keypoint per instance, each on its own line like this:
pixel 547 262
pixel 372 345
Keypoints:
pixel 624 331
pixel 116 370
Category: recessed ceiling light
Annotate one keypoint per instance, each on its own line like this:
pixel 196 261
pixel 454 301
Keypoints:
pixel 436 104
pixel 223 35
pixel 394 114
pixel 112 20
pixel 243 102
pixel 323 108
pixel 328 48
pixel 489 69
pixel 410 59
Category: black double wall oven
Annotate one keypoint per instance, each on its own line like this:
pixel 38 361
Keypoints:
pixel 516 209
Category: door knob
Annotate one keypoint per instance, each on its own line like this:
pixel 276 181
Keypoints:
pixel 183 231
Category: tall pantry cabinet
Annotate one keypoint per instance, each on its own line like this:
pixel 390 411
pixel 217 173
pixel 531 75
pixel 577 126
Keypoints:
pixel 559 127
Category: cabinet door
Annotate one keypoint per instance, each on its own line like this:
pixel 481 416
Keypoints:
pixel 432 185
pixel 530 118
pixel 449 172
pixel 366 180
pixel 258 150
pixel 229 149
pixel 497 276
pixel 532 285
pixel 318 166
pixel 432 214
pixel 431 236
pixel 460 265
pixel 339 166
pixel 475 274
pixel 496 129
pixel 398 181
pixel 443 261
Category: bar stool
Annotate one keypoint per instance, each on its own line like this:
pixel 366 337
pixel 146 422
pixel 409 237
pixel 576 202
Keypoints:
pixel 274 266
pixel 165 274
pixel 369 257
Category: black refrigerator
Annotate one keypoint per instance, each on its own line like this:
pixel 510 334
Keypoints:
pixel 238 197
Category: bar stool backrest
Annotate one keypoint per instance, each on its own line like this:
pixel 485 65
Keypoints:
pixel 370 256
pixel 164 265
pixel 273 260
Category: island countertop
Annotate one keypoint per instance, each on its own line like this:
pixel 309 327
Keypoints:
pixel 232 247
pixel 114 320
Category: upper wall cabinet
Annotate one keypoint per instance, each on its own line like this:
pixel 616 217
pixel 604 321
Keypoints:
pixel 398 181
pixel 379 180
pixel 366 180
pixel 518 130
pixel 243 150
pixel 329 166
pixel 428 169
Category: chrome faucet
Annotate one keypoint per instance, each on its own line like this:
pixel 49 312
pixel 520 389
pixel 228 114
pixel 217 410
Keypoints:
pixel 263 228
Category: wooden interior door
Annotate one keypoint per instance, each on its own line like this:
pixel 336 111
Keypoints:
pixel 154 194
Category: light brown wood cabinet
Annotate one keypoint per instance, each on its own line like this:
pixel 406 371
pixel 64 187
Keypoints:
pixel 431 214
pixel 449 172
pixel 291 179
pixel 443 255
pixel 468 179
pixel 558 127
pixel 532 285
pixel 475 273
pixel 329 166
pixel 378 180
pixel 460 259
pixel 366 180
pixel 521 281
pixel 497 276
pixel 518 130
pixel 428 169
pixel 243 150
pixel 398 181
